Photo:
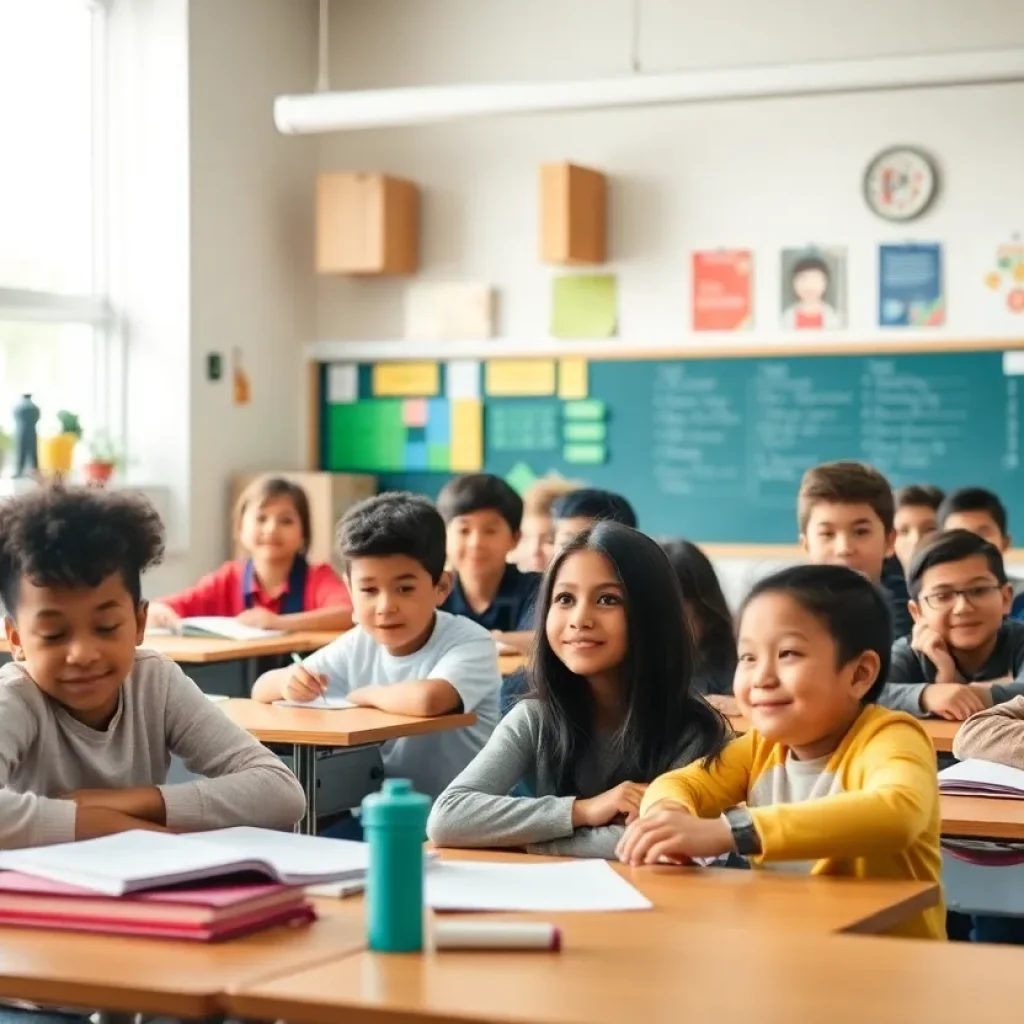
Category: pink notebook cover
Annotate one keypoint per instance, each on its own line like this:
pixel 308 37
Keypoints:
pixel 238 926
pixel 196 894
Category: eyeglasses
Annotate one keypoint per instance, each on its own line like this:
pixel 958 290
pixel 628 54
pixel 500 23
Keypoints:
pixel 974 596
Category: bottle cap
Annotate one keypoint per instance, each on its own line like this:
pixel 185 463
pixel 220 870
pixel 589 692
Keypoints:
pixel 397 804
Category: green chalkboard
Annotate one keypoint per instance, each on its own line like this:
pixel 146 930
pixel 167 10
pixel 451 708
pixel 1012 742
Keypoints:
pixel 713 449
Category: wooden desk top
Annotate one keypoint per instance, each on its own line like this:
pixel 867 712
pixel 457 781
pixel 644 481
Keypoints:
pixel 603 975
pixel 204 650
pixel 983 817
pixel 509 663
pixel 941 732
pixel 348 727
pixel 162 976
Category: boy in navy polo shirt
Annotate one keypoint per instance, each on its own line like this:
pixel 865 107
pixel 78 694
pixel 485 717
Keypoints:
pixel 482 516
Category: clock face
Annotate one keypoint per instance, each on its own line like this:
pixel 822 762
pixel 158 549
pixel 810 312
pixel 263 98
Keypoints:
pixel 900 183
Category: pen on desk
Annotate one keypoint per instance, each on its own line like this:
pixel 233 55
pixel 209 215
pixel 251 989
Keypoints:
pixel 297 660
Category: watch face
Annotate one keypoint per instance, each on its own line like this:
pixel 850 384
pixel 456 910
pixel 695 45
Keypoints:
pixel 900 183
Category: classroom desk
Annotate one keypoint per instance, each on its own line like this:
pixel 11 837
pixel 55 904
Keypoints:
pixel 983 817
pixel 942 733
pixel 307 729
pixel 161 976
pixel 604 975
pixel 509 663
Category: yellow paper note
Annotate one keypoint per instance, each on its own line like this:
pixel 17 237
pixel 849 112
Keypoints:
pixel 572 378
pixel 585 306
pixel 467 452
pixel 514 377
pixel 400 380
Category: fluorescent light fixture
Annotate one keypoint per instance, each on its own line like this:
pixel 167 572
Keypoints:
pixel 392 108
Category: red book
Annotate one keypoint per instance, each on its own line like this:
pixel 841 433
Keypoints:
pixel 203 912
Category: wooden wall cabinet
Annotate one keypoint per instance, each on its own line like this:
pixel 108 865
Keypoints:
pixel 330 496
pixel 366 224
pixel 572 214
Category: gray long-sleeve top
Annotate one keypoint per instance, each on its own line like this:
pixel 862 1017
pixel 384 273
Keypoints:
pixel 912 671
pixel 477 811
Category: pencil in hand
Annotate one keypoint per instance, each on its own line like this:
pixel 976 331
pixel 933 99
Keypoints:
pixel 297 660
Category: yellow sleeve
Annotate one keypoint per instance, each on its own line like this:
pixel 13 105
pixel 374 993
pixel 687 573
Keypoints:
pixel 707 792
pixel 892 809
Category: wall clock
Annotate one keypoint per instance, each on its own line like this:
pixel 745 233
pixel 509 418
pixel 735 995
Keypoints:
pixel 901 183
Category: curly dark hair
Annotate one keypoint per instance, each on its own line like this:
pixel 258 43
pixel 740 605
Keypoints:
pixel 64 536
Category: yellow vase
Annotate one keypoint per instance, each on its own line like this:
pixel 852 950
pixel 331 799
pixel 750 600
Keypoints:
pixel 56 454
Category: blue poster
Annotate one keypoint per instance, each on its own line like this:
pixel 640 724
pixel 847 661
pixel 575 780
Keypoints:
pixel 910 285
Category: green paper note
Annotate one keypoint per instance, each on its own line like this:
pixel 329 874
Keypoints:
pixel 520 477
pixel 584 409
pixel 585 306
pixel 585 454
pixel 439 458
pixel 584 430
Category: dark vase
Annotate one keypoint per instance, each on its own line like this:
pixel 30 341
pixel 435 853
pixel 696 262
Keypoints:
pixel 26 445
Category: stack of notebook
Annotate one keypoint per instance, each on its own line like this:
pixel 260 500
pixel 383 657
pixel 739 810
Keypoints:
pixel 206 887
pixel 975 777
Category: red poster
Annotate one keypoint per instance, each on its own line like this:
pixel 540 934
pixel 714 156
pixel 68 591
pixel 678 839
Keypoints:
pixel 723 290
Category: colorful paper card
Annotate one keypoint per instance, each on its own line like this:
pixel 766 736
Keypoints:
pixel 585 454
pixel 585 430
pixel 520 477
pixel 438 458
pixel 723 290
pixel 414 412
pixel 416 456
pixel 517 377
pixel 462 378
pixel 523 425
pixel 449 312
pixel 585 306
pixel 591 409
pixel 573 379
pixel 438 422
pixel 342 383
pixel 467 445
pixel 910 285
pixel 410 379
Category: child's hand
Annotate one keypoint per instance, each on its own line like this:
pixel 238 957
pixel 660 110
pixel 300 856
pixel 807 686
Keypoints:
pixel 303 685
pixel 673 834
pixel 727 705
pixel 260 618
pixel 926 641
pixel 160 616
pixel 955 701
pixel 622 801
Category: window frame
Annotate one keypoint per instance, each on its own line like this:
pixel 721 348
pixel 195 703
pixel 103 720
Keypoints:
pixel 94 310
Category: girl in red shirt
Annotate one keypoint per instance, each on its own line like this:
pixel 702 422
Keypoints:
pixel 275 588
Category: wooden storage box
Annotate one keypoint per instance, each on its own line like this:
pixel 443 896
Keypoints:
pixel 572 214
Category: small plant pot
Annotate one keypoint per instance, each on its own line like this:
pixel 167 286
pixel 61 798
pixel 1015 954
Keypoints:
pixel 98 472
pixel 56 454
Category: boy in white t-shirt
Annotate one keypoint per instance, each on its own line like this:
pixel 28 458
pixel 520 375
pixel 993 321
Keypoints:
pixel 404 655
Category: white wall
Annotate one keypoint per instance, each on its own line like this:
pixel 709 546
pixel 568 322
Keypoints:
pixel 213 237
pixel 760 174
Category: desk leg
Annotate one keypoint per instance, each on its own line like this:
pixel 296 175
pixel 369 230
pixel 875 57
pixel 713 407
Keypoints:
pixel 304 762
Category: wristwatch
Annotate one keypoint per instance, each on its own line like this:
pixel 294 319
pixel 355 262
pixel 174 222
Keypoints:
pixel 744 835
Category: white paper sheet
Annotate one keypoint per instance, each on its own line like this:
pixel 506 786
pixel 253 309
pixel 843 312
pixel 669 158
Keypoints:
pixel 342 383
pixel 463 378
pixel 320 704
pixel 575 885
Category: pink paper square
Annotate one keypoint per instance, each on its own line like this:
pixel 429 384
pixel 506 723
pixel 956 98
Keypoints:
pixel 414 412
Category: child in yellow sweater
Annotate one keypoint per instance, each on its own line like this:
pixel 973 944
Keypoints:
pixel 825 782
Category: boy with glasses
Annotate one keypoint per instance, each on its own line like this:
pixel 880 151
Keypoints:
pixel 963 654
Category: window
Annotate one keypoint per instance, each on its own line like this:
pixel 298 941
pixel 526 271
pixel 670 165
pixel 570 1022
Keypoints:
pixel 53 317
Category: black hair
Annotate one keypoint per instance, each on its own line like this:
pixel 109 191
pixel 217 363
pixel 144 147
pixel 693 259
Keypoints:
pixel 394 523
pixel 480 492
pixel 65 536
pixel 974 499
pixel 592 503
pixel 704 600
pixel 854 611
pixel 920 496
pixel 806 263
pixel 952 546
pixel 663 716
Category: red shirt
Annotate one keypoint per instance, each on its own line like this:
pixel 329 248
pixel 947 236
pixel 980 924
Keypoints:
pixel 220 593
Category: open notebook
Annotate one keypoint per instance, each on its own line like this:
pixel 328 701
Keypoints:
pixel 221 626
pixel 975 777
pixel 137 861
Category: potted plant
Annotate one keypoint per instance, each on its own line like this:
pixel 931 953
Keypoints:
pixel 57 446
pixel 5 446
pixel 104 458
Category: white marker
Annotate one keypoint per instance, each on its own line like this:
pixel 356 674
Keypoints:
pixel 510 935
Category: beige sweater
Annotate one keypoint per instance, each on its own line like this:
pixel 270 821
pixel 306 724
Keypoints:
pixel 45 754
pixel 996 734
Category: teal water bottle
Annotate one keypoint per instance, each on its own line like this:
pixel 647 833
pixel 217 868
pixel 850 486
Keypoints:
pixel 395 824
